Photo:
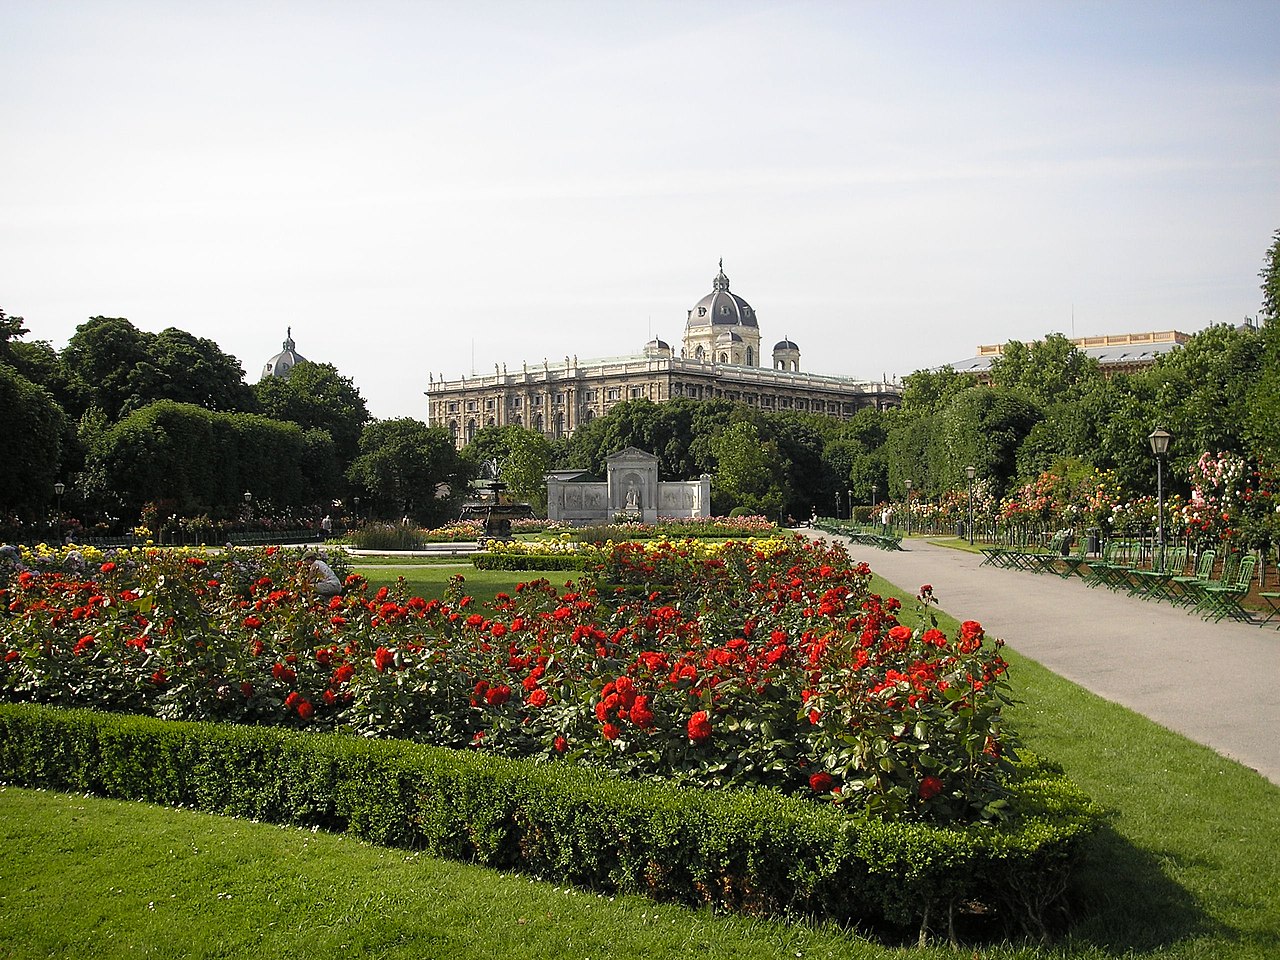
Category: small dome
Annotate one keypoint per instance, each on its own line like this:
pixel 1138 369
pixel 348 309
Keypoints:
pixel 657 348
pixel 728 336
pixel 784 345
pixel 283 362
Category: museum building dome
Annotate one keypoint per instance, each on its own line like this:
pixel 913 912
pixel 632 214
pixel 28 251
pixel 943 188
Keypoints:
pixel 285 360
pixel 722 308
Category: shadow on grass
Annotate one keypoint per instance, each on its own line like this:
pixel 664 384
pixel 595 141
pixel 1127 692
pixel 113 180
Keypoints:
pixel 1123 900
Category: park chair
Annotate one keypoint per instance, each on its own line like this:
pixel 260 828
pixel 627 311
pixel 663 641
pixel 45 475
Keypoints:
pixel 1073 562
pixel 1222 599
pixel 1272 600
pixel 1112 571
pixel 1180 588
pixel 1038 561
pixel 1196 591
pixel 1152 584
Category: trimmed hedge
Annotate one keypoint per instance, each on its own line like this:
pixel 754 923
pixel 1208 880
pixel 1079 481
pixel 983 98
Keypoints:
pixel 754 851
pixel 530 561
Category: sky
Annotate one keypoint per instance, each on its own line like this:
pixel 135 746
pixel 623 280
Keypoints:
pixel 423 187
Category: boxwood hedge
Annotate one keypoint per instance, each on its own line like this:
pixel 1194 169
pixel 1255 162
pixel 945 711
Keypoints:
pixel 753 851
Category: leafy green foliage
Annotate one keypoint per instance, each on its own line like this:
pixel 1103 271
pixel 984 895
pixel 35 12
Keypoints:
pixel 204 461
pixel 32 431
pixel 732 850
pixel 408 469
pixel 316 397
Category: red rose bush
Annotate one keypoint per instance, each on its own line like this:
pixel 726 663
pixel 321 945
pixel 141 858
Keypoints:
pixel 763 664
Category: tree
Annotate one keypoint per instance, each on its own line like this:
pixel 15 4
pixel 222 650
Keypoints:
pixel 316 396
pixel 1270 275
pixel 748 473
pixel 32 430
pixel 1201 389
pixel 1262 424
pixel 203 461
pixel 102 358
pixel 983 428
pixel 1046 371
pixel 194 370
pixel 409 469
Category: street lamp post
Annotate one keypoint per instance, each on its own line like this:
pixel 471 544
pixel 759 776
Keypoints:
pixel 58 489
pixel 850 493
pixel 1159 440
pixel 970 472
pixel 837 504
pixel 907 483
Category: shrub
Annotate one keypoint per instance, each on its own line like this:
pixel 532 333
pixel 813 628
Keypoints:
pixel 387 536
pixel 750 850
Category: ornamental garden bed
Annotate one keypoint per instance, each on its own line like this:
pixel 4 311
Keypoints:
pixel 581 728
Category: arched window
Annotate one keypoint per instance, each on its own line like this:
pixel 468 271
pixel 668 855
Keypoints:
pixel 471 431
pixel 751 357
pixel 698 354
pixel 724 358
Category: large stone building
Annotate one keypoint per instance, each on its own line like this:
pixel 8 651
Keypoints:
pixel 720 357
pixel 1115 352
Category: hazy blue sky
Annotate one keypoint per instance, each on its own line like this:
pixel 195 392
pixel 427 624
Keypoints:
pixel 411 184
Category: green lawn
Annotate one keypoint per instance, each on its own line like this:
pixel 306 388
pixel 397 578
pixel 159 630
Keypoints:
pixel 1187 868
pixel 429 582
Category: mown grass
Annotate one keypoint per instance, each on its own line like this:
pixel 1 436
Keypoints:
pixel 430 582
pixel 1186 869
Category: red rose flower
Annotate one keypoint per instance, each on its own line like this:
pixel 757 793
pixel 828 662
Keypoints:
pixel 822 782
pixel 538 698
pixel 252 622
pixel 497 696
pixel 610 731
pixel 305 709
pixel 700 726
pixel 11 656
pixel 107 567
pixel 930 787
pixel 561 744
pixel 384 659
pixel 246 689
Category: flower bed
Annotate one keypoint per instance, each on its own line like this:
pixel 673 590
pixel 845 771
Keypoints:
pixel 765 665
pixel 713 665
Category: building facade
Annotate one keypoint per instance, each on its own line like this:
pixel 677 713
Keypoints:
pixel 719 359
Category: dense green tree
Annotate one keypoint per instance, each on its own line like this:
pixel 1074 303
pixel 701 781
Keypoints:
pixel 409 469
pixel 1046 370
pixel 203 461
pixel 748 472
pixel 807 480
pixel 1201 389
pixel 1270 275
pixel 1262 423
pixel 32 431
pixel 101 360
pixel 676 432
pixel 928 391
pixel 316 396
pixel 983 428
